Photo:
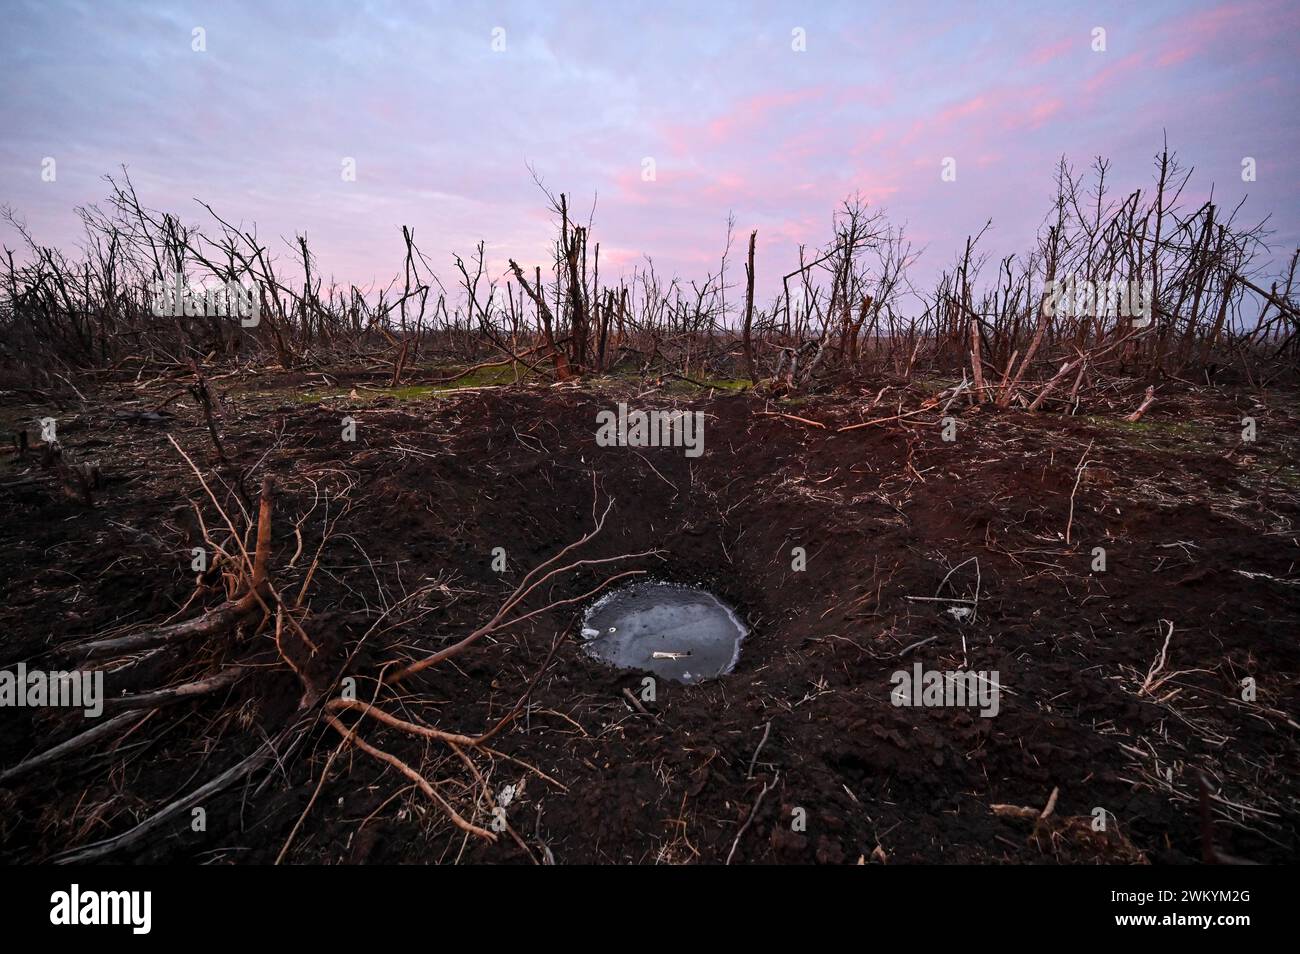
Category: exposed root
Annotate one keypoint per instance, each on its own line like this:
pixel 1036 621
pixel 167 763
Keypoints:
pixel 103 730
pixel 100 849
pixel 421 782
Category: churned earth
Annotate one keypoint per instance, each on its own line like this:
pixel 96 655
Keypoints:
pixel 1133 586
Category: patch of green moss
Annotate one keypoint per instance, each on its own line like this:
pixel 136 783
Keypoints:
pixel 505 375
pixel 678 386
pixel 1161 429
pixel 934 385
pixel 728 384
pixel 483 377
pixel 409 392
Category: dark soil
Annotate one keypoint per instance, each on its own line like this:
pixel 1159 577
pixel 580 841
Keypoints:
pixel 1199 530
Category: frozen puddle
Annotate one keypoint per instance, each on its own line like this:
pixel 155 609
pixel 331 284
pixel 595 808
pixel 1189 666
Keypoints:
pixel 677 632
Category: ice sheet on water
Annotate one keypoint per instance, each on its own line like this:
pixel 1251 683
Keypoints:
pixel 678 632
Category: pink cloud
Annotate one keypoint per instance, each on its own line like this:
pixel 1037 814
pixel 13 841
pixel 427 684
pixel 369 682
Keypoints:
pixel 1051 51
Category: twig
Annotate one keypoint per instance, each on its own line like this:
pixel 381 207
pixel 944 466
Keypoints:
pixel 761 742
pixel 792 417
pixel 752 812
pixel 1078 476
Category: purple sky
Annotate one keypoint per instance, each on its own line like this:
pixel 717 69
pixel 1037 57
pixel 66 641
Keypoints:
pixel 442 127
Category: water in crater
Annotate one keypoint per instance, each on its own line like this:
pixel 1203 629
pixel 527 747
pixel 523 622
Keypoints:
pixel 677 632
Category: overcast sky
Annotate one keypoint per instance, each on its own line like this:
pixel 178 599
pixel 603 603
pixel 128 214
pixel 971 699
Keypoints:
pixel 443 123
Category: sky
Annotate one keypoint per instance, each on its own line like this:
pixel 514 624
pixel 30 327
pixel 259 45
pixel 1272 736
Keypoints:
pixel 667 117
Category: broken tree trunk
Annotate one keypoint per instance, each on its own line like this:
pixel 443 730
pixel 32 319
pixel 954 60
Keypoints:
pixel 1147 401
pixel 544 313
pixel 746 341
